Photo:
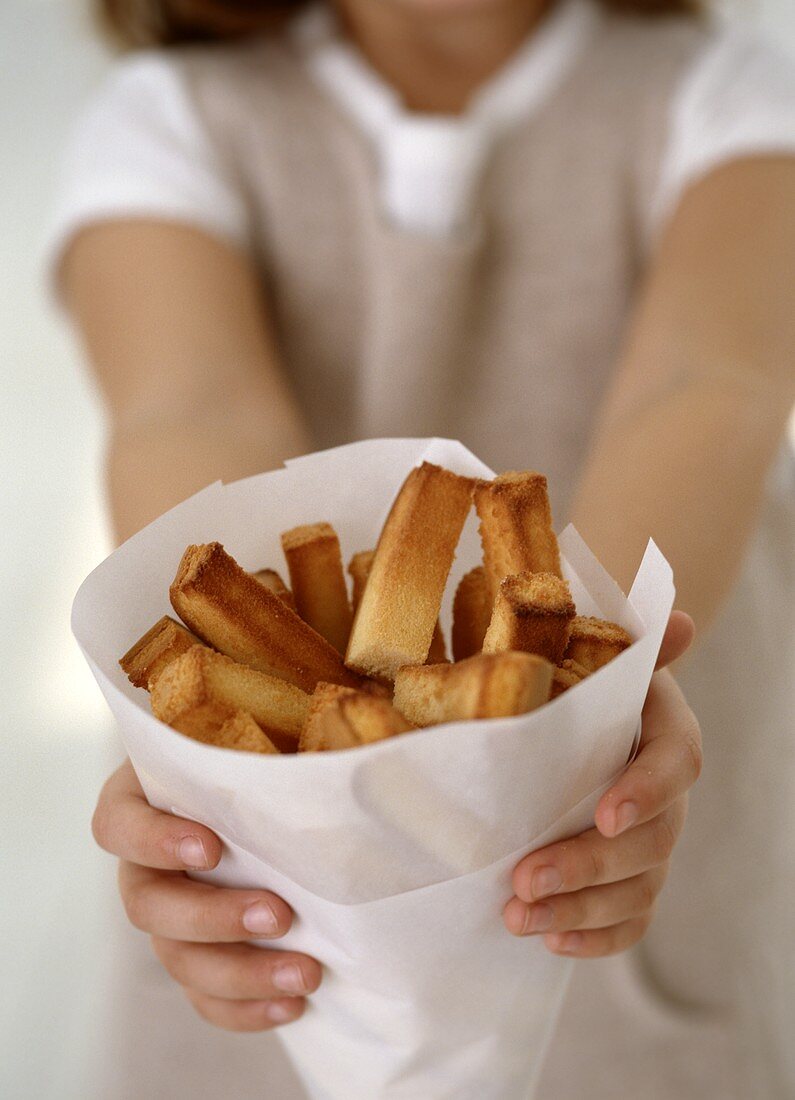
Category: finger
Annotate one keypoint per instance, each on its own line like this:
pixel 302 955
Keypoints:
pixel 668 763
pixel 592 859
pixel 237 971
pixel 596 907
pixel 246 1015
pixel 678 638
pixel 598 942
pixel 127 826
pixel 171 905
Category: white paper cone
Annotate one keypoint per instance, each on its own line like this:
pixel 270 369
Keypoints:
pixel 396 857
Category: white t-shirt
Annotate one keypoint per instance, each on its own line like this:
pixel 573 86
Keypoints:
pixel 140 148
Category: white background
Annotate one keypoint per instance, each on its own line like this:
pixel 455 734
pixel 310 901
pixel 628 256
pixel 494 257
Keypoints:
pixel 57 895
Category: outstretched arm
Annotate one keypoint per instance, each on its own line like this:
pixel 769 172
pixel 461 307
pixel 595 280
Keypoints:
pixel 176 328
pixel 702 396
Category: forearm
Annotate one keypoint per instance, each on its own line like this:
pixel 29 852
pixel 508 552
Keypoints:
pixel 689 473
pixel 702 394
pixel 153 465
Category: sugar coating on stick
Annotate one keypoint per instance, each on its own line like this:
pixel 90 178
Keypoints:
pixel 496 685
pixel 161 644
pixel 272 580
pixel 533 614
pixel 318 582
pixel 594 642
pixel 231 611
pixel 471 614
pixel 395 620
pixel 201 690
pixel 516 527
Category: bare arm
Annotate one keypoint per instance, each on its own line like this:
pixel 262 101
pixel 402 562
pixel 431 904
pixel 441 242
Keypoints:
pixel 176 329
pixel 704 389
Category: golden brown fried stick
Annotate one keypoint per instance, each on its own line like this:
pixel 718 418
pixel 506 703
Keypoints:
pixel 395 620
pixel 515 527
pixel 566 675
pixel 242 732
pixel 353 719
pixel 273 581
pixel 311 738
pixel 201 690
pixel 532 613
pixel 166 640
pixel 594 642
pixel 227 608
pixel 359 569
pixel 471 614
pixel 494 685
pixel 318 582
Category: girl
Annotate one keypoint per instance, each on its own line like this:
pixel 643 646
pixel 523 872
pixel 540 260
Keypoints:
pixel 563 233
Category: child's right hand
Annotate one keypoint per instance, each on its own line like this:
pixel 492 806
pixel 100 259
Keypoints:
pixel 200 932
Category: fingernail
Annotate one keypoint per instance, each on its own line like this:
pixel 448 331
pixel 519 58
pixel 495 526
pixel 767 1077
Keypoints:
pixel 545 881
pixel 538 919
pixel 567 943
pixel 280 1012
pixel 260 919
pixel 289 979
pixel 626 816
pixel 191 852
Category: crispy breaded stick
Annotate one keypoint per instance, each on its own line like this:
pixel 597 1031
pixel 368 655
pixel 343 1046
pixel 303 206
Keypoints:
pixel 273 581
pixel 494 685
pixel 318 582
pixel 471 614
pixel 532 613
pixel 238 616
pixel 201 690
pixel 516 527
pixel 311 739
pixel 354 718
pixel 242 732
pixel 359 569
pixel 566 675
pixel 395 620
pixel 594 642
pixel 166 640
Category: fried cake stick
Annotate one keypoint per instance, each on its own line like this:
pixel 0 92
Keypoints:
pixel 359 569
pixel 202 693
pixel 515 527
pixel 318 582
pixel 231 611
pixel 342 719
pixel 395 620
pixel 494 685
pixel 532 613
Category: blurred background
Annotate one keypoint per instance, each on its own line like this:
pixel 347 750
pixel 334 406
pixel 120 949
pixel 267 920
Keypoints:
pixel 60 913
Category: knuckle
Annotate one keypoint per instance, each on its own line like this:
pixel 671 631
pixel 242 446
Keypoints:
pixel 692 744
pixel 664 837
pixel 596 863
pixel 203 919
pixel 648 888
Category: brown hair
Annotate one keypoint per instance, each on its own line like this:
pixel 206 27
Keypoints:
pixel 132 23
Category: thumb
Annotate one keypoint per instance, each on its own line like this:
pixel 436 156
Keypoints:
pixel 677 639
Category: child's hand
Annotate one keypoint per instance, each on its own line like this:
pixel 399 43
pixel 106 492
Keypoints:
pixel 600 888
pixel 199 932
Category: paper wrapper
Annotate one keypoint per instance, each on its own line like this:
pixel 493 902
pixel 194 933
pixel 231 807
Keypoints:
pixel 396 857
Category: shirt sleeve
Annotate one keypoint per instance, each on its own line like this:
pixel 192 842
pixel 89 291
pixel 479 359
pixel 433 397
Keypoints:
pixel 736 100
pixel 139 150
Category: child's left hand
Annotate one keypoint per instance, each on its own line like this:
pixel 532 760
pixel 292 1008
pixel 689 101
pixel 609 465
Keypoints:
pixel 599 889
